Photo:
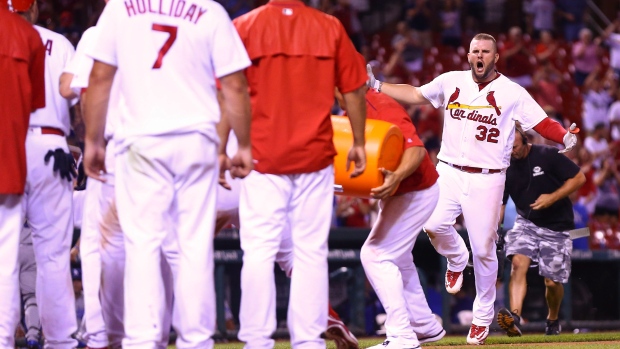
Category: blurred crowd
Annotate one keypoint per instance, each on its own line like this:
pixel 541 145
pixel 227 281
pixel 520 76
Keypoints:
pixel 570 66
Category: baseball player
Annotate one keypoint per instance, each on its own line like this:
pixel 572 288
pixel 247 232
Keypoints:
pixel 293 151
pixel 22 67
pixel 539 181
pixel 27 286
pixel 171 106
pixel 480 109
pixel 48 194
pixel 406 200
pixel 102 237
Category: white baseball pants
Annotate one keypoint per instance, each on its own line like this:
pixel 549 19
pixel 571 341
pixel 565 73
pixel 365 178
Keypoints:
pixel 479 197
pixel 161 187
pixel 48 202
pixel 11 220
pixel 269 204
pixel 388 262
pixel 28 285
pixel 95 334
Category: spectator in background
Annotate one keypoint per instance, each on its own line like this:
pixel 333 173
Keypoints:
pixel 547 81
pixel 515 56
pixel 572 13
pixel 347 14
pixel 612 39
pixel 604 227
pixel 352 212
pixel 450 17
pixel 418 16
pixel 613 117
pixel 596 100
pixel 596 144
pixel 542 11
pixel 586 55
pixel 546 48
pixel 407 58
pixel 581 219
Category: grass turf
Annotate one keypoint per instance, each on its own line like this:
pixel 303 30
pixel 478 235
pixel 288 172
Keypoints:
pixel 593 340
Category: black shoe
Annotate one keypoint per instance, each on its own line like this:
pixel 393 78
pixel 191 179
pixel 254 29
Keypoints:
pixel 509 322
pixel 553 327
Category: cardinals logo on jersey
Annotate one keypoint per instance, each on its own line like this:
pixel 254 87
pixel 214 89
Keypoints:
pixel 453 97
pixel 491 100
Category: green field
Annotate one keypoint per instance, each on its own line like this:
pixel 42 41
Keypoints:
pixel 603 340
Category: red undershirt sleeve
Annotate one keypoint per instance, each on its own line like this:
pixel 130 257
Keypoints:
pixel 551 129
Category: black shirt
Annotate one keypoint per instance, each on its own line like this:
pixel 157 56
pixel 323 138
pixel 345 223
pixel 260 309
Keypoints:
pixel 543 171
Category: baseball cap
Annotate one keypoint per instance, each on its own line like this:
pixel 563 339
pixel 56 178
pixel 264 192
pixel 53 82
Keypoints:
pixel 17 5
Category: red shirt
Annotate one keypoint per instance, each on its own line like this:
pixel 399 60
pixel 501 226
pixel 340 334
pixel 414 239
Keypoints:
pixel 517 64
pixel 22 90
pixel 379 106
pixel 298 55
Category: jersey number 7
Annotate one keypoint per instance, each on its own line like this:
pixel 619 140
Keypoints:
pixel 172 32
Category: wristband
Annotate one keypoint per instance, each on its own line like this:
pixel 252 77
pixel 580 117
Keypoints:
pixel 380 85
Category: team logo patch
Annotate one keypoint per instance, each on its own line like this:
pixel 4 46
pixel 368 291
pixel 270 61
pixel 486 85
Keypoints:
pixel 537 171
pixel 458 110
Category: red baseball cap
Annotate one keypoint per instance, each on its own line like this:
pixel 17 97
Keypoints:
pixel 17 5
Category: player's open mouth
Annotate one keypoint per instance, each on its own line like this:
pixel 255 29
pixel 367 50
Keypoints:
pixel 479 67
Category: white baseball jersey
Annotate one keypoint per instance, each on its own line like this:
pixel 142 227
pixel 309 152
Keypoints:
pixel 58 53
pixel 479 124
pixel 164 91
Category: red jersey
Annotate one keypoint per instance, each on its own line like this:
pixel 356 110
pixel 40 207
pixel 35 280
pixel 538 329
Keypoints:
pixel 22 68
pixel 298 55
pixel 380 106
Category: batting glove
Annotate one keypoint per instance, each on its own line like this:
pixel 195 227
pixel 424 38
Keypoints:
pixel 570 138
pixel 372 82
pixel 64 163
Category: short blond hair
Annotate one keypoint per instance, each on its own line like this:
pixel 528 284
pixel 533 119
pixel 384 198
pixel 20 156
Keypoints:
pixel 485 36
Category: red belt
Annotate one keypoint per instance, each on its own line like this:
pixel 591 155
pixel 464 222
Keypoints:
pixel 470 169
pixel 52 131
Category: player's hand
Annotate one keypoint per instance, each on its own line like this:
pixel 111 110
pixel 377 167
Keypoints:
pixel 94 160
pixel 241 164
pixel 64 163
pixel 570 138
pixel 224 161
pixel 543 201
pixel 372 82
pixel 390 184
pixel 75 254
pixel 357 155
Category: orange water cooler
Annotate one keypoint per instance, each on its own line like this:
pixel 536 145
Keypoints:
pixel 384 148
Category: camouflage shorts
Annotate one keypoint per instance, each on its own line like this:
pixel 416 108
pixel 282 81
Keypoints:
pixel 551 250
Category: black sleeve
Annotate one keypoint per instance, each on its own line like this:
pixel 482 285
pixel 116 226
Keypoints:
pixel 563 167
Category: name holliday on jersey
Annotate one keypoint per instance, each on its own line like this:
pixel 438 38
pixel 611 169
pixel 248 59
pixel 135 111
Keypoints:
pixel 458 114
pixel 176 9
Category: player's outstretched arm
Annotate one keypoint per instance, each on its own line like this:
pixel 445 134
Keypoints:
pixel 236 106
pixel 356 111
pixel 403 93
pixel 96 109
pixel 409 163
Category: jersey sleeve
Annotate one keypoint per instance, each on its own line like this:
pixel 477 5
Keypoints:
pixel 350 66
pixel 106 48
pixel 528 112
pixel 433 91
pixel 36 71
pixel 228 53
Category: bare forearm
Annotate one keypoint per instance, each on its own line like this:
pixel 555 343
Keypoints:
pixel 404 93
pixel 569 186
pixel 356 111
pixel 410 161
pixel 223 127
pixel 65 86
pixel 96 108
pixel 236 106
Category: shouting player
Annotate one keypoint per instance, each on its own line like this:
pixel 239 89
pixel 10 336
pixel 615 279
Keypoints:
pixel 480 109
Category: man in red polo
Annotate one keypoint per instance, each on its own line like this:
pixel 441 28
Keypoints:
pixel 22 58
pixel 298 55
